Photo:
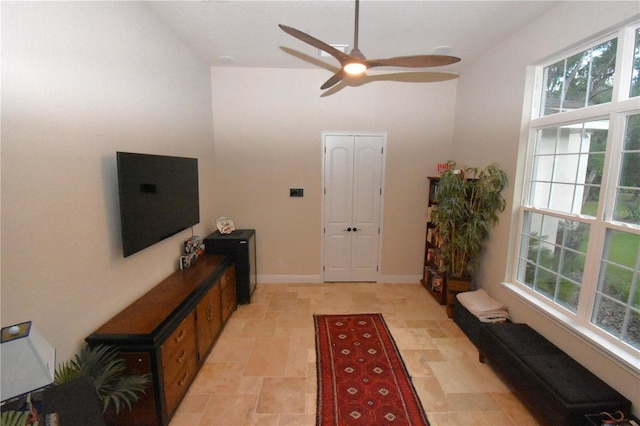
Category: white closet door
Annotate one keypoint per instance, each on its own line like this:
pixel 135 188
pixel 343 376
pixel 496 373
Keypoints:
pixel 352 200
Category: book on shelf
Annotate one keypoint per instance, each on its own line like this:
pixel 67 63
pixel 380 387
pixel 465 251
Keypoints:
pixel 436 283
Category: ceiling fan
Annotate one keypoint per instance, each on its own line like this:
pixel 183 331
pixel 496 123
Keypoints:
pixel 355 63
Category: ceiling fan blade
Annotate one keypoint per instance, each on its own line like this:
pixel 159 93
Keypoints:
pixel 340 56
pixel 418 61
pixel 335 79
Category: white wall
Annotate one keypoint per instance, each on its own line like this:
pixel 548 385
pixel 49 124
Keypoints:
pixel 267 128
pixel 489 116
pixel 80 81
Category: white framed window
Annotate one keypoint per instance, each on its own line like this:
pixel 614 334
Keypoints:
pixel 579 242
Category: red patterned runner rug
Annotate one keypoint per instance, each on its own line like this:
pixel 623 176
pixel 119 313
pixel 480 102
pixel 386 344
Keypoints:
pixel 361 377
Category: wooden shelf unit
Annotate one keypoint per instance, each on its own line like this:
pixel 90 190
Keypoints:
pixel 433 277
pixel 168 333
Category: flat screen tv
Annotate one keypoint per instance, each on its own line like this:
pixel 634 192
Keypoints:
pixel 158 198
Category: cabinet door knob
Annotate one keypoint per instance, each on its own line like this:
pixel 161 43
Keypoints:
pixel 355 229
pixel 182 357
pixel 348 229
pixel 210 310
pixel 180 336
pixel 183 381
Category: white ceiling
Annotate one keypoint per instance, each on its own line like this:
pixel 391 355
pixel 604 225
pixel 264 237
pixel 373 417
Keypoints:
pixel 248 31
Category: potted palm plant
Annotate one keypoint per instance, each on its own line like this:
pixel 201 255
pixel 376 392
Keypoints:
pixel 114 387
pixel 468 202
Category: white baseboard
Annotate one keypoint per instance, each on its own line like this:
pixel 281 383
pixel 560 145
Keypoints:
pixel 400 279
pixel 289 279
pixel 317 279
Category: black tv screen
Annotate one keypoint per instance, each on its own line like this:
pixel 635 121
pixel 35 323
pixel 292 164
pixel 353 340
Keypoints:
pixel 158 198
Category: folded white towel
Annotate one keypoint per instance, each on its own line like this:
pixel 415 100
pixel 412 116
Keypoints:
pixel 499 315
pixel 483 306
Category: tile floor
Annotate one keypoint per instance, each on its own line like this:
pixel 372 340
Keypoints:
pixel 261 370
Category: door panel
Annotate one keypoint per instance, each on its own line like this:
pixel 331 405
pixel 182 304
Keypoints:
pixel 338 206
pixel 353 185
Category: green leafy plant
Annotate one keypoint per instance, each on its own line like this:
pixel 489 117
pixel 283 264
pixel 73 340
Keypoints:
pixel 15 418
pixel 102 363
pixel 468 203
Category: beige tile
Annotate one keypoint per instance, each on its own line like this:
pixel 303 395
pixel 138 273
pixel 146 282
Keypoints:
pixel 182 418
pixel 431 394
pixel 229 410
pixel 418 361
pixel 463 376
pixel 297 420
pixel 473 402
pixel 514 408
pixel 250 311
pixel 297 361
pixel 194 403
pixel 412 338
pixel 262 370
pixel 282 395
pixel 259 328
pixel 454 418
pixel 432 327
pixel 268 358
pixel 220 369
pixel 266 419
pixel 227 385
pixel 296 319
pixel 231 349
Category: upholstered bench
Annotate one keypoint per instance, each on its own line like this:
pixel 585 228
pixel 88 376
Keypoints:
pixel 468 323
pixel 481 303
pixel 556 388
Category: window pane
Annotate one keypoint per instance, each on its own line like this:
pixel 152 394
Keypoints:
pixel 635 74
pixel 576 77
pixel 546 283
pixel 573 266
pixel 627 207
pixel 616 282
pixel 552 257
pixel 581 80
pixel 632 332
pixel 609 316
pixel 569 295
pixel 546 142
pixel 572 158
pixel 554 85
pixel 602 72
pixel 618 293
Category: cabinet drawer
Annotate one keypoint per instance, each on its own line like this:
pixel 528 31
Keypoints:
pixel 179 348
pixel 177 386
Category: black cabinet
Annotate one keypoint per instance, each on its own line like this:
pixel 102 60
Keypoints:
pixel 241 245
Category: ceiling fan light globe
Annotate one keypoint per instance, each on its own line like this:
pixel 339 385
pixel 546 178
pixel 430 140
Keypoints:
pixel 355 68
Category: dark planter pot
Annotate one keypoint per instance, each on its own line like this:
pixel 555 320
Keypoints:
pixel 455 285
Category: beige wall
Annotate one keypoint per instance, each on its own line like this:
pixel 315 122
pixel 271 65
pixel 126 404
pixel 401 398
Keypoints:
pixel 79 82
pixel 267 130
pixel 489 116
